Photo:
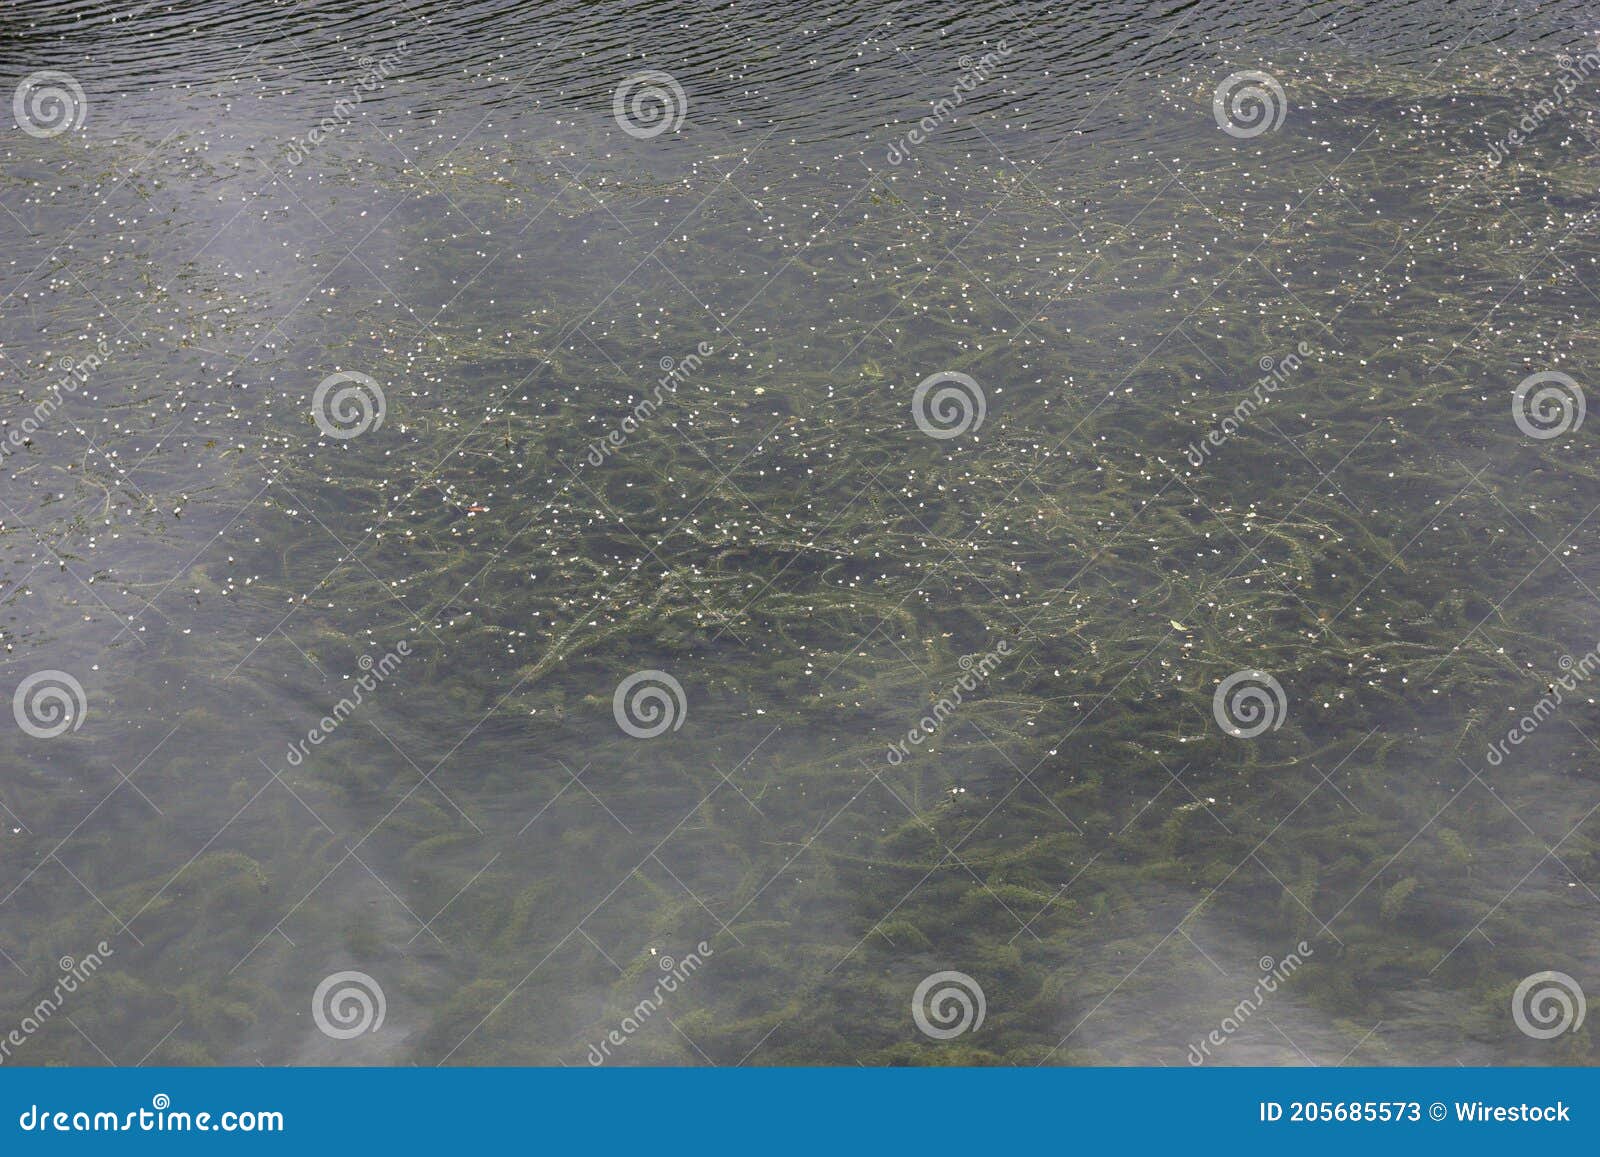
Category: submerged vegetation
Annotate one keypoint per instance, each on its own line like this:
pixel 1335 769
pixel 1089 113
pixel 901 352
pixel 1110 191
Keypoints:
pixel 1078 835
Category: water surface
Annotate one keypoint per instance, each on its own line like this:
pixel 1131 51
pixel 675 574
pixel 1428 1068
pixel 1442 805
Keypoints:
pixel 927 704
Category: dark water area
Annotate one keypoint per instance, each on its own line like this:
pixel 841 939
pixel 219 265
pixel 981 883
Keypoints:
pixel 942 534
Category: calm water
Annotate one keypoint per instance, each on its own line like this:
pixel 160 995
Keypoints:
pixel 487 579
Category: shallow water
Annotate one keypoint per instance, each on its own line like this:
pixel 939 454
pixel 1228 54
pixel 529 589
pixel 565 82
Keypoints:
pixel 926 704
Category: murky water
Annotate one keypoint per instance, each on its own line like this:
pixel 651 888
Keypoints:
pixel 501 591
